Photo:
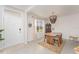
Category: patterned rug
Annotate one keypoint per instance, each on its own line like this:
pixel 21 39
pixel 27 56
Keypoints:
pixel 54 48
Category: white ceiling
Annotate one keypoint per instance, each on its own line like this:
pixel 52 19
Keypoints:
pixel 60 10
pixel 22 7
pixel 46 10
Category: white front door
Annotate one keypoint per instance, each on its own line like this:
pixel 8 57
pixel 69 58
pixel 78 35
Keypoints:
pixel 13 28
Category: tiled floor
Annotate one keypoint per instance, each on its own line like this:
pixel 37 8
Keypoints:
pixel 34 48
pixel 69 47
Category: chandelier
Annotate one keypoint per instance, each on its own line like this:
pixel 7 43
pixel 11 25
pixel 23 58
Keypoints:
pixel 53 18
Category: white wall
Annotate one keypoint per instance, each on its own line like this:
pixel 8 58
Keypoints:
pixel 0 16
pixel 68 25
pixel 2 43
pixel 24 25
pixel 13 20
pixel 46 21
pixel 31 30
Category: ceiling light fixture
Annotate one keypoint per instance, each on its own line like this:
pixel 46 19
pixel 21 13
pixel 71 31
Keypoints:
pixel 53 18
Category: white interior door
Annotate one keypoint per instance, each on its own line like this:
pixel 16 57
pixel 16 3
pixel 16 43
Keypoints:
pixel 13 28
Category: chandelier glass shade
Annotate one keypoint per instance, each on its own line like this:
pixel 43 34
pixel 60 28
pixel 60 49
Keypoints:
pixel 53 19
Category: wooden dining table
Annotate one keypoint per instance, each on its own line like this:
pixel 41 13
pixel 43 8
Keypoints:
pixel 52 36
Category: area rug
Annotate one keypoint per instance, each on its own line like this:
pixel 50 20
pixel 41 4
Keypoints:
pixel 55 49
